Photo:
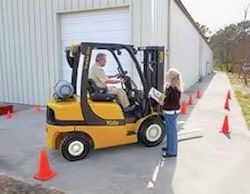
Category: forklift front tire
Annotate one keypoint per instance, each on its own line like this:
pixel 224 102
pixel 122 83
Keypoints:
pixel 75 146
pixel 152 132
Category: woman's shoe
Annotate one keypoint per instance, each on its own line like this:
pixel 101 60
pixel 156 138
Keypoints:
pixel 167 155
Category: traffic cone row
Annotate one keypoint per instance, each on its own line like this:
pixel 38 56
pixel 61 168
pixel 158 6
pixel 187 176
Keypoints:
pixel 9 114
pixel 225 127
pixel 189 102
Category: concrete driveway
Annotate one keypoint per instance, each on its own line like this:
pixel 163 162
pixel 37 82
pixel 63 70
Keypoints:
pixel 214 163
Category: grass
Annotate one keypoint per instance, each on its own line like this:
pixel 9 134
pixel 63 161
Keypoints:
pixel 242 94
pixel 244 101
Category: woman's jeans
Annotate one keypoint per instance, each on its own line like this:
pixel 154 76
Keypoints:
pixel 171 130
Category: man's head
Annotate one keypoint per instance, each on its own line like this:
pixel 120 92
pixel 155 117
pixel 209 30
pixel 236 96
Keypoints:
pixel 101 59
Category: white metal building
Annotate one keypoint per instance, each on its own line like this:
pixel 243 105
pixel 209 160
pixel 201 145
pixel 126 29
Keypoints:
pixel 33 34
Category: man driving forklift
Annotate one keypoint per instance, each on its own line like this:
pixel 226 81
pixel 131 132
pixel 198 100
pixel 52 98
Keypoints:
pixel 97 74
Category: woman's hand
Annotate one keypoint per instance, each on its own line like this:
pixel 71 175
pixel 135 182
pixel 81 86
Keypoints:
pixel 161 101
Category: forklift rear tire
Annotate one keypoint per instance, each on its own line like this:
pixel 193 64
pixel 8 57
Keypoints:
pixel 75 146
pixel 152 132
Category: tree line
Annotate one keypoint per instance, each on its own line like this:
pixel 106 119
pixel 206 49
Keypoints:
pixel 231 46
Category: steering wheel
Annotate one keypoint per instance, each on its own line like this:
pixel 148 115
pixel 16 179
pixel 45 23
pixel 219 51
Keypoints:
pixel 122 75
pixel 131 89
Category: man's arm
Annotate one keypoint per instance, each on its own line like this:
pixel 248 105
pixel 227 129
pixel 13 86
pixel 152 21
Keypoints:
pixel 105 79
pixel 113 81
pixel 112 76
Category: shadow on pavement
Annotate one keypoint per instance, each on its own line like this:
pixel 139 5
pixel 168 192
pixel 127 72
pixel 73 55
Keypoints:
pixel 228 135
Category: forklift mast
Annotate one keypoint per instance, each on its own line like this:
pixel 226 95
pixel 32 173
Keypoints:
pixel 153 62
pixel 153 68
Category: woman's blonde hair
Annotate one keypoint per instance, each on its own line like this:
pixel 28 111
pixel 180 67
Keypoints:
pixel 175 79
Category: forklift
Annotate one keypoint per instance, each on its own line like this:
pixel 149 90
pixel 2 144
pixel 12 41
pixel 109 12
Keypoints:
pixel 94 119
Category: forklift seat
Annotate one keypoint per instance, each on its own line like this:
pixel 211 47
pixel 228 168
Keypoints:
pixel 99 94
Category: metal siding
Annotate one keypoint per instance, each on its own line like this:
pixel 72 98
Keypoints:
pixel 30 42
pixel 82 4
pixel 33 53
pixel 96 3
pixel 146 23
pixel 50 46
pixel 44 46
pixel 3 83
pixel 111 3
pixel 12 51
pixel 19 56
pixel 56 41
pixel 127 1
pixel 27 45
pixel 75 4
pixel 29 61
pixel 6 53
pixel 184 46
pixel 22 48
pixel 89 4
pixel 119 2
pixel 159 22
pixel 39 56
pixel 159 31
pixel 68 5
pixel 104 3
pixel 206 56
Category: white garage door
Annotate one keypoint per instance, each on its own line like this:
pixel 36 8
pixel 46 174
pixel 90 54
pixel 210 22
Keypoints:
pixel 106 26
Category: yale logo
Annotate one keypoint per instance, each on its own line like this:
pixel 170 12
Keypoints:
pixel 161 57
pixel 112 122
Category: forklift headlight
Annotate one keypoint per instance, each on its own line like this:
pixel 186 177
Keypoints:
pixel 50 116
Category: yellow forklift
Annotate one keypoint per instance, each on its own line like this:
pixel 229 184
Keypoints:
pixel 94 119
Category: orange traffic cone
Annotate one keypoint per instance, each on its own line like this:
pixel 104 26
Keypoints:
pixel 198 93
pixel 229 95
pixel 183 108
pixel 8 115
pixel 37 108
pixel 226 106
pixel 45 172
pixel 190 100
pixel 225 127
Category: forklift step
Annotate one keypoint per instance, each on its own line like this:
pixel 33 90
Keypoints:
pixel 131 133
pixel 5 108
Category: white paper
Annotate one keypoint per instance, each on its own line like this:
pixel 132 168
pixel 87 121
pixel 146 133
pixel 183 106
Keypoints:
pixel 156 95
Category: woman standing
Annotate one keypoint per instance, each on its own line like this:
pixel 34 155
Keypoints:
pixel 171 109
